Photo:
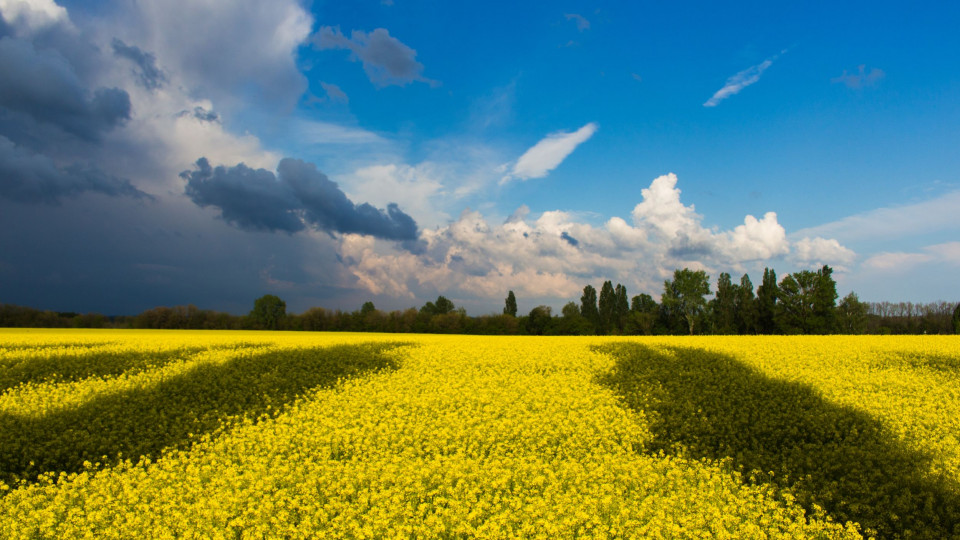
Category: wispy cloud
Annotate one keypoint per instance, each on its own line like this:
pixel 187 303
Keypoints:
pixel 861 78
pixel 902 262
pixel 937 214
pixel 582 23
pixel 547 154
pixel 740 81
pixel 334 92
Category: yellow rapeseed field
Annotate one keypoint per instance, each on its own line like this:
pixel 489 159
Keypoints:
pixel 200 434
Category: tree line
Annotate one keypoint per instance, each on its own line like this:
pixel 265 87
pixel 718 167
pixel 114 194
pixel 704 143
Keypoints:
pixel 804 302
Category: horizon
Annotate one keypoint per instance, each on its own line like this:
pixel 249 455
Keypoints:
pixel 171 153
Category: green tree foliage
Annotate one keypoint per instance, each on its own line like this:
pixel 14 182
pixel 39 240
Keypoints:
pixel 538 322
pixel 683 297
pixel 572 322
pixel 588 307
pixel 644 312
pixel 511 305
pixel 745 307
pixel 767 302
pixel 269 312
pixel 608 306
pixel 956 320
pixel 851 315
pixel 441 307
pixel 723 307
pixel 807 302
pixel 367 308
pixel 795 303
pixel 621 307
pixel 825 302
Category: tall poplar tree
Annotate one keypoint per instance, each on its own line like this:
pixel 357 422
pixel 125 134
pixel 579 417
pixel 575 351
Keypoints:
pixel 608 306
pixel 767 302
pixel 511 305
pixel 723 306
pixel 588 307
pixel 746 307
pixel 621 307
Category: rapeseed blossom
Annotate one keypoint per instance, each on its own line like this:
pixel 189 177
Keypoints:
pixel 440 436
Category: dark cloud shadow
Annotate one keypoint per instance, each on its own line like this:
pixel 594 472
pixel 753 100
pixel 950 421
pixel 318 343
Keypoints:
pixel 92 363
pixel 145 422
pixel 710 405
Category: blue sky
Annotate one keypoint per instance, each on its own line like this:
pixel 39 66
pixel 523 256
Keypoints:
pixel 168 152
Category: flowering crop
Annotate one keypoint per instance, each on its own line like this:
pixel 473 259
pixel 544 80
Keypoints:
pixel 301 435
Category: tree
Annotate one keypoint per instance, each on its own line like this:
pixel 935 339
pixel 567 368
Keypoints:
pixel 621 307
pixel 269 311
pixel 572 322
pixel 745 307
pixel 852 315
pixel 956 320
pixel 511 305
pixel 539 320
pixel 441 307
pixel 825 302
pixel 683 297
pixel 444 306
pixel 608 305
pixel 367 308
pixel 644 312
pixel 767 302
pixel 588 307
pixel 723 306
pixel 795 303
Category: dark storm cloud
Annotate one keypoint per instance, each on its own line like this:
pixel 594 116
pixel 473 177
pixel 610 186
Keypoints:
pixel 298 195
pixel 386 60
pixel 43 85
pixel 569 239
pixel 149 75
pixel 34 178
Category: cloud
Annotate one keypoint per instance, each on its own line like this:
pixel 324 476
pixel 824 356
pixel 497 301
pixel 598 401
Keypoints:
pixel 740 81
pixel 902 262
pixel 582 23
pixel 31 16
pixel 861 78
pixel 415 188
pixel 149 75
pixel 45 87
pixel 312 132
pixel 555 254
pixel 297 196
pixel 569 239
pixel 34 178
pixel 819 251
pixel 939 214
pixel 547 154
pixel 334 92
pixel 233 52
pixel 386 60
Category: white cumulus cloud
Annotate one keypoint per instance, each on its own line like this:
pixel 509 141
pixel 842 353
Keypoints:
pixel 555 254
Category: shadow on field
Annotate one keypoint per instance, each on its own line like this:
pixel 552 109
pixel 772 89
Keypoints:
pixel 144 422
pixel 73 367
pixel 832 456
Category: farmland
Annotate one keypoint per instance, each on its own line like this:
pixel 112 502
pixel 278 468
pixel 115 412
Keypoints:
pixel 301 435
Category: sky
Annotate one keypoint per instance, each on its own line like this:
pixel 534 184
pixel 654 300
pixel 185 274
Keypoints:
pixel 172 152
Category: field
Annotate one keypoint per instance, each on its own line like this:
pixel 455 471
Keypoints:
pixel 124 434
